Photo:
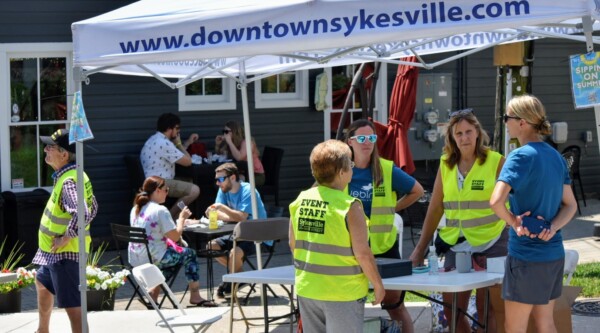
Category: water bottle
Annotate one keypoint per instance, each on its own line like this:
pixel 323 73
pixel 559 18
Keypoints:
pixel 433 261
pixel 213 215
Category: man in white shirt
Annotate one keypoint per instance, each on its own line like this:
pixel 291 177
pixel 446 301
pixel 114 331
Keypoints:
pixel 160 153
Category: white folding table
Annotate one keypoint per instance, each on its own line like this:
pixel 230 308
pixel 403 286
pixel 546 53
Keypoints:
pixel 452 282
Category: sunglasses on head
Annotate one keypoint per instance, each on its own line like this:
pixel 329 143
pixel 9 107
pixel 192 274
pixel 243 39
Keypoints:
pixel 460 113
pixel 363 138
pixel 221 179
pixel 163 186
pixel 506 117
pixel 225 131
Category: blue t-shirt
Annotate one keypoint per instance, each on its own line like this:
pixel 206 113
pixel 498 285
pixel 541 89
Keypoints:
pixel 536 173
pixel 242 201
pixel 361 185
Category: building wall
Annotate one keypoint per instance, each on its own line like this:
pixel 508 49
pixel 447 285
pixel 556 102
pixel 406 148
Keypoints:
pixel 122 111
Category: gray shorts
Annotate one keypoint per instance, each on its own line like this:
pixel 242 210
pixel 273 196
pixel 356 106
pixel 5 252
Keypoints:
pixel 332 317
pixel 531 282
pixel 499 249
pixel 179 188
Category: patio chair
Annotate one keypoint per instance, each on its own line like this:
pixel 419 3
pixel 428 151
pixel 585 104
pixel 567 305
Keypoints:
pixel 573 154
pixel 571 259
pixel 148 276
pixel 123 235
pixel 271 161
pixel 260 230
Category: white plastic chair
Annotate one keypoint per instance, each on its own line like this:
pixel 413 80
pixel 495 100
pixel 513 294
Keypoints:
pixel 149 276
pixel 571 259
pixel 399 223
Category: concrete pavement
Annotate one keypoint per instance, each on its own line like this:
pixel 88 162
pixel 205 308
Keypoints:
pixel 577 235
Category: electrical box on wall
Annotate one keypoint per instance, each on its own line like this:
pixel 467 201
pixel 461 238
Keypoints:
pixel 434 104
pixel 560 132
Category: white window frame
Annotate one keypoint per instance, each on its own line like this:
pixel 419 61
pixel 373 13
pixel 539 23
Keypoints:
pixel 26 50
pixel 226 101
pixel 283 100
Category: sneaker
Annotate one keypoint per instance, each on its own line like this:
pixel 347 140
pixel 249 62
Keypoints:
pixel 227 290
pixel 224 289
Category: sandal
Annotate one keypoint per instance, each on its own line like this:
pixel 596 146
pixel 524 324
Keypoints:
pixel 204 304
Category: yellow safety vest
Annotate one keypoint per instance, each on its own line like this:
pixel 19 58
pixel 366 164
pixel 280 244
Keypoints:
pixel 469 209
pixel 55 221
pixel 326 268
pixel 382 231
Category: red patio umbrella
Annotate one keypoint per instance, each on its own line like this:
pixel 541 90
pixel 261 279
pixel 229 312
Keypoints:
pixel 393 137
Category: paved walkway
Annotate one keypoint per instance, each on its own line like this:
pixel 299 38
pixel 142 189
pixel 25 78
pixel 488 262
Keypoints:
pixel 577 235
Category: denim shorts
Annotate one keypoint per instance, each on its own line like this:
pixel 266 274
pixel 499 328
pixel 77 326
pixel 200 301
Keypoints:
pixel 62 280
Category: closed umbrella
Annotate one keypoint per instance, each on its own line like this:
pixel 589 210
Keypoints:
pixel 393 137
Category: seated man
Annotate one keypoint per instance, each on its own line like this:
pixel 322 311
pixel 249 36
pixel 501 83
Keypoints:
pixel 159 155
pixel 233 204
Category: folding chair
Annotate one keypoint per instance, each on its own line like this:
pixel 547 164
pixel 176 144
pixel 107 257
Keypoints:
pixel 260 230
pixel 124 234
pixel 148 276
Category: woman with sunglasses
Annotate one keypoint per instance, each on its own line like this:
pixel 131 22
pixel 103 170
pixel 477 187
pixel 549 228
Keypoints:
pixel 233 144
pixel 462 189
pixel 535 180
pixel 383 189
pixel 163 234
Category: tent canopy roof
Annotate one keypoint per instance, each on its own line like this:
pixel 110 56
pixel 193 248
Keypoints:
pixel 190 39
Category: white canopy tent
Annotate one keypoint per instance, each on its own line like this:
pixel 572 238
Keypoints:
pixel 181 41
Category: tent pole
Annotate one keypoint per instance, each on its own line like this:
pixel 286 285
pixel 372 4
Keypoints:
pixel 78 77
pixel 588 29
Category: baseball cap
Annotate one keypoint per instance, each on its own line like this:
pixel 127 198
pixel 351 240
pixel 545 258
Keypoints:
pixel 59 138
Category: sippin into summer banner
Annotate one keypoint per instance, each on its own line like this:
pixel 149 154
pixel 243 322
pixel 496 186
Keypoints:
pixel 585 79
pixel 80 129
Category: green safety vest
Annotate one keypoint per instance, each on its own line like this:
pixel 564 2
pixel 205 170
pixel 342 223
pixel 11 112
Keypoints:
pixel 382 231
pixel 55 221
pixel 469 209
pixel 326 268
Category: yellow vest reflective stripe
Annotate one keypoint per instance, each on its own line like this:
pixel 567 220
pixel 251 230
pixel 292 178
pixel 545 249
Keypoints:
pixel 55 221
pixel 326 268
pixel 469 209
pixel 382 232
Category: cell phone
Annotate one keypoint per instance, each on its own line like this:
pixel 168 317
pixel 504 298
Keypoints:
pixel 181 205
pixel 534 225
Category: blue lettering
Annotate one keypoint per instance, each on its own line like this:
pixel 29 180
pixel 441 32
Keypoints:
pixel 365 20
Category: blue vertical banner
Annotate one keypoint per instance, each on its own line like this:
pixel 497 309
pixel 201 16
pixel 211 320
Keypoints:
pixel 80 129
pixel 585 79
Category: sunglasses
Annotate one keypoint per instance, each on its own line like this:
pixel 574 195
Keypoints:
pixel 363 138
pixel 461 113
pixel 506 117
pixel 221 179
pixel 163 187
pixel 226 131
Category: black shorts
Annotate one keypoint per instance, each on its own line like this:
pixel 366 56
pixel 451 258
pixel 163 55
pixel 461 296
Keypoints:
pixel 62 280
pixel 226 243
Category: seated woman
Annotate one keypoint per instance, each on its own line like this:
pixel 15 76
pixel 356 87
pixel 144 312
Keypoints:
pixel 163 233
pixel 233 144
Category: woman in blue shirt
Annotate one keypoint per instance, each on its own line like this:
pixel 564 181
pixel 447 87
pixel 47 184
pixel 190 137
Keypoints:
pixel 535 180
pixel 367 174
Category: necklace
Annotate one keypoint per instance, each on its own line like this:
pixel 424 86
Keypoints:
pixel 464 171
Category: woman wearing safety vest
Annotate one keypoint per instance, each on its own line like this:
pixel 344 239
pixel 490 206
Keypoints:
pixel 378 183
pixel 536 181
pixel 329 240
pixel 462 189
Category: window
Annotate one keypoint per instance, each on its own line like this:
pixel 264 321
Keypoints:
pixel 35 102
pixel 289 89
pixel 208 94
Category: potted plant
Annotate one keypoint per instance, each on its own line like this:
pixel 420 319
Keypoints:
pixel 102 282
pixel 10 292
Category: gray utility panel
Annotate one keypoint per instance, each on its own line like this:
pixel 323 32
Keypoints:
pixel 434 104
